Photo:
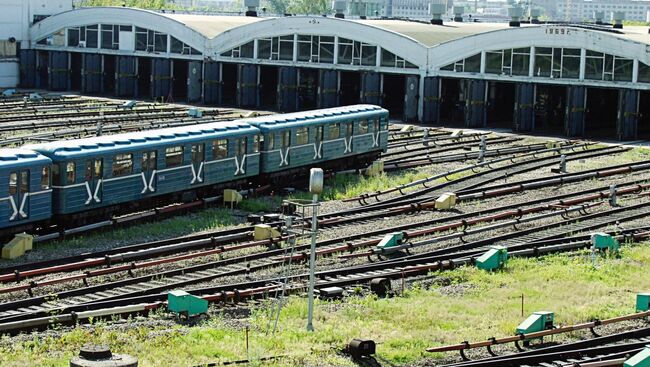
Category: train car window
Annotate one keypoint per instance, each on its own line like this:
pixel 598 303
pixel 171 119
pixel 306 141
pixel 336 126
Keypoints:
pixel 220 149
pixel 198 154
pixel 363 127
pixel 270 142
pixel 56 174
pixel 334 131
pixel 45 178
pixel 149 162
pixel 376 125
pixel 24 182
pixel 286 139
pixel 99 168
pixel 256 143
pixel 319 133
pixel 70 175
pixel 13 183
pixel 88 176
pixel 348 130
pixel 240 147
pixel 173 157
pixel 302 136
pixel 122 165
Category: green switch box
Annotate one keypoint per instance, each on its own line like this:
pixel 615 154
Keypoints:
pixel 494 259
pixel 538 321
pixel 603 241
pixel 641 359
pixel 642 302
pixel 183 303
pixel 391 240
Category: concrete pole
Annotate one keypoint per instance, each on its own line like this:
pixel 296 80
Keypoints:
pixel 312 264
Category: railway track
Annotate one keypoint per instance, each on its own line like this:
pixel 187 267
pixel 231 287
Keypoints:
pixel 610 350
pixel 248 264
pixel 143 302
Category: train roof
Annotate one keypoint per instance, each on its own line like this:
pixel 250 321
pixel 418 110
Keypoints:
pixel 10 158
pixel 115 144
pixel 306 118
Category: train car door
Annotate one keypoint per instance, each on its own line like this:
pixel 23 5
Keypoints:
pixel 348 137
pixel 149 167
pixel 318 142
pixel 241 148
pixel 93 180
pixel 198 160
pixel 284 148
pixel 19 194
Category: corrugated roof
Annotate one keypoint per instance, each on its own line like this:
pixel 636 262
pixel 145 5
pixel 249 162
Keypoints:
pixel 430 35
pixel 212 25
pixel 274 122
pixel 19 157
pixel 142 139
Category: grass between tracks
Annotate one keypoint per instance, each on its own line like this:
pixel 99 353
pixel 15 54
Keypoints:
pixel 463 304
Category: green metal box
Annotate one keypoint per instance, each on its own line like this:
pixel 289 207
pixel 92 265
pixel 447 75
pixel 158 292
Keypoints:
pixel 643 302
pixel 538 321
pixel 641 359
pixel 391 240
pixel 494 259
pixel 186 304
pixel 603 241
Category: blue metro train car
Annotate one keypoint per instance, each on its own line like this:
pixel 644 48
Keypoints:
pixel 76 181
pixel 26 188
pixel 104 172
pixel 340 137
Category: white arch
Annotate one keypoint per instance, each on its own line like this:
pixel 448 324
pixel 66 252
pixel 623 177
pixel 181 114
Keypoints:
pixel 117 15
pixel 538 36
pixel 399 44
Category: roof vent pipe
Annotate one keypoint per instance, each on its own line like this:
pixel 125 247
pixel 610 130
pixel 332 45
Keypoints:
pixel 617 19
pixel 599 16
pixel 534 14
pixel 437 10
pixel 339 7
pixel 251 6
pixel 458 13
pixel 515 13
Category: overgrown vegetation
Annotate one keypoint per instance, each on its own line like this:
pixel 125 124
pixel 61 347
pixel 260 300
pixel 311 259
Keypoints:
pixel 463 304
pixel 270 6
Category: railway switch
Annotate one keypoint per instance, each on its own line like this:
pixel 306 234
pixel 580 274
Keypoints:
pixel 231 197
pixel 183 303
pixel 265 232
pixel 391 240
pixel 359 348
pixel 643 302
pixel 380 286
pixel 538 321
pixel 17 247
pixel 603 241
pixel 494 259
pixel 330 293
pixel 641 359
pixel 446 201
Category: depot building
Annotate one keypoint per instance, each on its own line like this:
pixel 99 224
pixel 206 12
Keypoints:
pixel 577 80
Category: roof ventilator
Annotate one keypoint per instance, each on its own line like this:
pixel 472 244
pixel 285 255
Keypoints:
pixel 534 14
pixel 515 13
pixel 458 13
pixel 339 7
pixel 251 6
pixel 436 10
pixel 617 19
pixel 599 16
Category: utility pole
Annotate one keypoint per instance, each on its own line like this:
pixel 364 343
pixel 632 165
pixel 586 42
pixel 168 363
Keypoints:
pixel 315 187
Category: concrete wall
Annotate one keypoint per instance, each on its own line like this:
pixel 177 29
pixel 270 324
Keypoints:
pixel 8 73
pixel 16 16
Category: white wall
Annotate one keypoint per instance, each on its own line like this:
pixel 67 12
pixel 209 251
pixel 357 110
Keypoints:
pixel 16 15
pixel 9 73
